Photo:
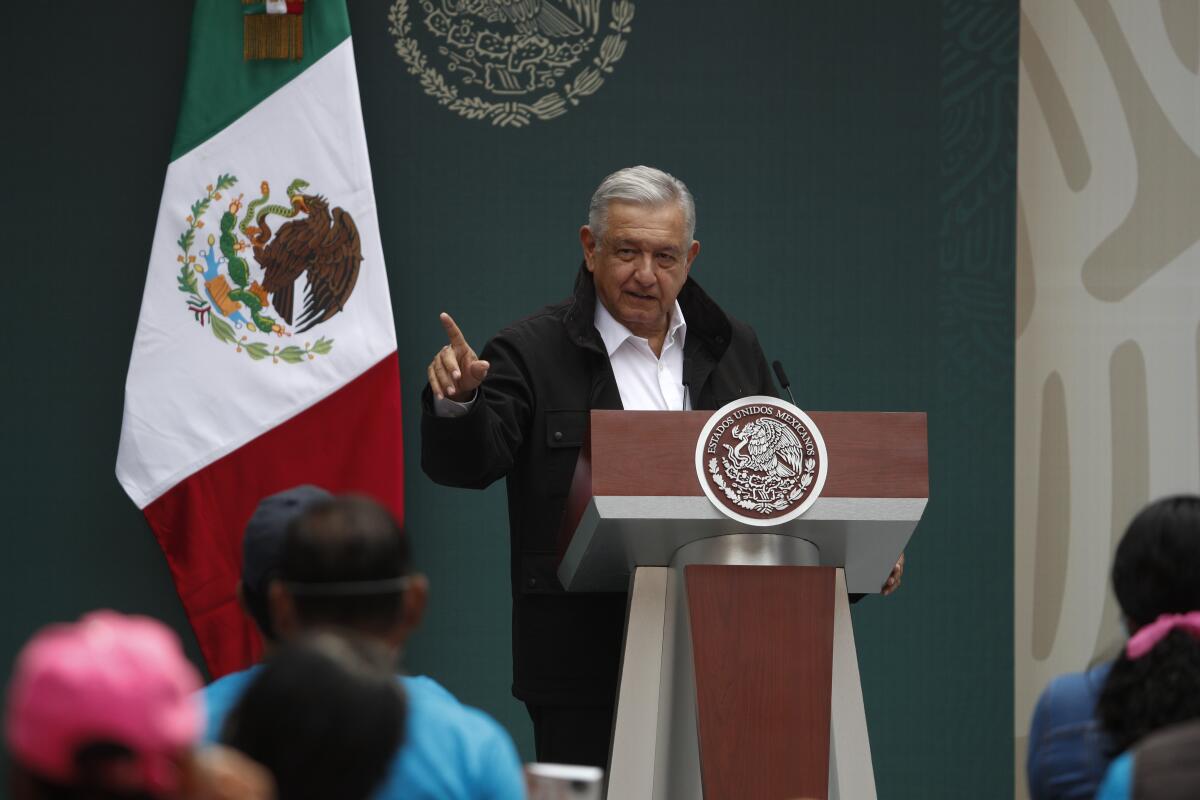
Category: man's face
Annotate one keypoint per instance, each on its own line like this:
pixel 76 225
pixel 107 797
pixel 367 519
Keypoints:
pixel 640 264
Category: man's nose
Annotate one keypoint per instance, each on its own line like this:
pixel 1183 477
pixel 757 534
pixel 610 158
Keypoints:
pixel 644 273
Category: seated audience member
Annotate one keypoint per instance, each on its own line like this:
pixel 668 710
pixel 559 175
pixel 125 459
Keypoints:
pixel 313 562
pixel 325 715
pixel 1163 766
pixel 1155 681
pixel 1068 750
pixel 105 709
pixel 1084 719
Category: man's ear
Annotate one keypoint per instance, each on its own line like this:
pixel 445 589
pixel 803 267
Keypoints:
pixel 282 607
pixel 588 242
pixel 692 252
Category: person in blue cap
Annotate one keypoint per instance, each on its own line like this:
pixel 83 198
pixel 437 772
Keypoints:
pixel 315 562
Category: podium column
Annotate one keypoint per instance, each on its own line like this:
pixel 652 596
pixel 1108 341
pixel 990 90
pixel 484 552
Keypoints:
pixel 725 680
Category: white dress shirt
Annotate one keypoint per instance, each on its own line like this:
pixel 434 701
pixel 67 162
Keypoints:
pixel 646 382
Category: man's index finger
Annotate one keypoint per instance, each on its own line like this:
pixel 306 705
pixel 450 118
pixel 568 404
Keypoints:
pixel 452 331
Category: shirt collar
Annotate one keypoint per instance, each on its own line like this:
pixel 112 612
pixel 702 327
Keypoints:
pixel 614 334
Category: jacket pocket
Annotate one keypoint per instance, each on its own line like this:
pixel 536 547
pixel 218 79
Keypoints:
pixel 565 432
pixel 566 428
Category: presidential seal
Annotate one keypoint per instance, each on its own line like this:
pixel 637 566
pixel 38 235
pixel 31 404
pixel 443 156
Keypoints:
pixel 510 61
pixel 761 461
pixel 245 285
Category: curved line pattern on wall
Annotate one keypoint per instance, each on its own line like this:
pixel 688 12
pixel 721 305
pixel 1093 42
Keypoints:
pixel 1026 283
pixel 1053 518
pixel 1052 99
pixel 1163 220
pixel 1182 18
pixel 1108 303
pixel 1129 401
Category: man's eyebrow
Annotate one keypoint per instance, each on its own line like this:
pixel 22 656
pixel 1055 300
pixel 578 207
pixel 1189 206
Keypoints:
pixel 640 244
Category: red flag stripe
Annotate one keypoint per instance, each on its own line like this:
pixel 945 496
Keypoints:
pixel 349 442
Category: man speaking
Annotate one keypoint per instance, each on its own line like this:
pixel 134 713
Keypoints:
pixel 636 333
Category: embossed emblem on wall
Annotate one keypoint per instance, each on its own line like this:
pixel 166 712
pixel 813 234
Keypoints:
pixel 510 62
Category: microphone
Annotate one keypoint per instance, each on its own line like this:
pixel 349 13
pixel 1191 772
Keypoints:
pixel 783 381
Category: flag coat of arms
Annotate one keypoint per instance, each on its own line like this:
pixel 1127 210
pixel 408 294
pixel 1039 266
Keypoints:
pixel 265 351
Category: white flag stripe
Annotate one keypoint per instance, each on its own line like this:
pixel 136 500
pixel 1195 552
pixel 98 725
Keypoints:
pixel 190 398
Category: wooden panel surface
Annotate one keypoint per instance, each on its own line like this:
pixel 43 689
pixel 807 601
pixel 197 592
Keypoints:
pixel 762 644
pixel 871 454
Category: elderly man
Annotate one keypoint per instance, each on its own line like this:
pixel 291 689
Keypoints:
pixel 636 333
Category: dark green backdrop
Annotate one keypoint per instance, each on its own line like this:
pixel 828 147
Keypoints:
pixel 853 168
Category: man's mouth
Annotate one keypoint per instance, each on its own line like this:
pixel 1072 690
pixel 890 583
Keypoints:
pixel 639 295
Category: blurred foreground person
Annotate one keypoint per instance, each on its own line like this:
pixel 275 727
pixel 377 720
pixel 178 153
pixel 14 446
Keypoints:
pixel 1068 749
pixel 1163 766
pixel 1155 681
pixel 325 715
pixel 313 562
pixel 105 709
pixel 1084 719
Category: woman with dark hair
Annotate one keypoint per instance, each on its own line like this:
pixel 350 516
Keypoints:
pixel 1084 719
pixel 325 715
pixel 1155 682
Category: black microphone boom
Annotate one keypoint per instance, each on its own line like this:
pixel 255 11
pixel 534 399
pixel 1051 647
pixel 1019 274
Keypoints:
pixel 783 381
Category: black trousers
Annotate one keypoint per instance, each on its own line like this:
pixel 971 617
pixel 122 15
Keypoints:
pixel 572 734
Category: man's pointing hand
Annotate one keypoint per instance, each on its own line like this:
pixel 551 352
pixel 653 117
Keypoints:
pixel 455 371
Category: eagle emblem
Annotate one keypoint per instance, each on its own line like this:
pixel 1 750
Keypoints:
pixel 510 61
pixel 271 271
pixel 761 461
pixel 767 445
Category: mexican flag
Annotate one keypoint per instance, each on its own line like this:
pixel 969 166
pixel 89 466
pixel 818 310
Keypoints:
pixel 265 352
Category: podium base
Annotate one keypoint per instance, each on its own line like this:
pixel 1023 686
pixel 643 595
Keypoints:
pixel 739 677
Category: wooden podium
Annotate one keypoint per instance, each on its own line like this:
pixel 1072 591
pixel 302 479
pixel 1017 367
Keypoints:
pixel 739 677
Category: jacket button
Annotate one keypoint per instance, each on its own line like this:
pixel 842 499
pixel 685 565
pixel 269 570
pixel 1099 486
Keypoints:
pixel 532 582
pixel 558 436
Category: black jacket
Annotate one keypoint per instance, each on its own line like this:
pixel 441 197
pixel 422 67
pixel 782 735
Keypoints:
pixel 547 371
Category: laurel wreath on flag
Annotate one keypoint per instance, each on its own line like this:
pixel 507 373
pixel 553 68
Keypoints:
pixel 509 113
pixel 202 310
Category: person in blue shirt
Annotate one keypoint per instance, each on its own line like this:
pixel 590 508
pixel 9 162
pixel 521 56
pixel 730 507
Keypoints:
pixel 1163 766
pixel 1068 750
pixel 324 715
pixel 312 562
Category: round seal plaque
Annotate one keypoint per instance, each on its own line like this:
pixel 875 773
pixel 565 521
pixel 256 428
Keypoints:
pixel 761 461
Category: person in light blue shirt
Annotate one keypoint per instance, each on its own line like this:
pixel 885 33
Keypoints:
pixel 311 562
pixel 1163 766
pixel 1118 781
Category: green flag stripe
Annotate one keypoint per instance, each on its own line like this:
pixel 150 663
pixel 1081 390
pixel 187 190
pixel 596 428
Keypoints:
pixel 220 86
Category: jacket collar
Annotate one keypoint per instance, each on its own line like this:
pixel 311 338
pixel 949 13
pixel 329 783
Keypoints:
pixel 707 323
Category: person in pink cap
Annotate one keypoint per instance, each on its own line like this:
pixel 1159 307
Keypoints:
pixel 106 708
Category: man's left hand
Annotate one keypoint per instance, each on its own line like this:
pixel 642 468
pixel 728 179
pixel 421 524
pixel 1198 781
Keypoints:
pixel 893 581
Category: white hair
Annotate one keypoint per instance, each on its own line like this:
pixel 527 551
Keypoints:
pixel 645 186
